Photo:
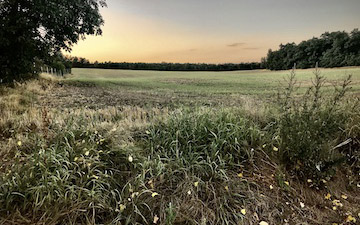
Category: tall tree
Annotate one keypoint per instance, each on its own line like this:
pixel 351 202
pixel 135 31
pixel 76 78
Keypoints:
pixel 34 31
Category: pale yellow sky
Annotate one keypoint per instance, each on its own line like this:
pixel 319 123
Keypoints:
pixel 141 32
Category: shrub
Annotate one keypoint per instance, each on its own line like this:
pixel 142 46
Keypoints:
pixel 310 127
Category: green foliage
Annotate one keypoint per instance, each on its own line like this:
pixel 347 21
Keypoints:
pixel 76 173
pixel 310 127
pixel 205 142
pixel 335 49
pixel 33 31
pixel 84 63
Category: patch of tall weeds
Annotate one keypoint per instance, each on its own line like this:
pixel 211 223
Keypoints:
pixel 210 140
pixel 311 127
pixel 76 175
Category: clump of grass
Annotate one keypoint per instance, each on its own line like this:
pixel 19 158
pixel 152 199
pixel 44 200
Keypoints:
pixel 193 162
pixel 205 141
pixel 310 128
pixel 76 174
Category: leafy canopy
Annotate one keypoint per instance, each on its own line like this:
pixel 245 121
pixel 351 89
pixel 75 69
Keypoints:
pixel 33 31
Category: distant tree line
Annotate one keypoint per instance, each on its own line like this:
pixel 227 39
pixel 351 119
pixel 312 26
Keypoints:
pixel 335 49
pixel 78 62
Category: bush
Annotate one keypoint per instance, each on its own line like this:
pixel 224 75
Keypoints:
pixel 310 127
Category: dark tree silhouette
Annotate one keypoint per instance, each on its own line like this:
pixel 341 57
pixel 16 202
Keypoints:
pixel 34 31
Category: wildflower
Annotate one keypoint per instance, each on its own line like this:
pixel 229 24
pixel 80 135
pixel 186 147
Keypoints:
pixel 309 180
pixel 89 164
pixel 263 223
pixel 19 143
pixel 189 192
pixel 196 184
pixel 226 188
pixel 240 175
pixel 156 219
pixel 275 149
pixel 287 183
pixel 264 146
pixel 344 196
pixel 334 208
pixel 243 211
pixel 271 187
pixel 154 194
pixel 122 207
pixel 87 153
pixel 130 158
pixel 328 196
pixel 302 205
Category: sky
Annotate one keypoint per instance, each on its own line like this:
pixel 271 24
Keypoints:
pixel 211 31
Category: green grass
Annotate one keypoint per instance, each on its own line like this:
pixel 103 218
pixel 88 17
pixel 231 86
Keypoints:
pixel 258 82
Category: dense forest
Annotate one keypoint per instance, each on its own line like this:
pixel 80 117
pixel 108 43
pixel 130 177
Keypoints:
pixel 335 49
pixel 84 63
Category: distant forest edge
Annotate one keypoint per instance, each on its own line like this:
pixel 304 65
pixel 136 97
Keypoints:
pixel 331 49
pixel 335 49
pixel 84 63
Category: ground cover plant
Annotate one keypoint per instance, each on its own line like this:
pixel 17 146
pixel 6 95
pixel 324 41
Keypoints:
pixel 101 150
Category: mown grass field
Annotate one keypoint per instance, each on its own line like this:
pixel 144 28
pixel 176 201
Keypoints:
pixel 256 82
pixel 148 147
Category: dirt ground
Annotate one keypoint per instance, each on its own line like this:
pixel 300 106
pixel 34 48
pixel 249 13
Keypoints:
pixel 65 95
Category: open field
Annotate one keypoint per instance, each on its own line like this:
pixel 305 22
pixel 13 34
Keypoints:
pixel 255 82
pixel 147 147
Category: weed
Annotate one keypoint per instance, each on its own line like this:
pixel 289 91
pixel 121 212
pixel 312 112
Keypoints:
pixel 310 127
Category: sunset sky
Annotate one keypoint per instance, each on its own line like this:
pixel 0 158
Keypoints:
pixel 211 31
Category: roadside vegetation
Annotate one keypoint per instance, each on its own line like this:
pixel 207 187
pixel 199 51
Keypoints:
pixel 287 160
